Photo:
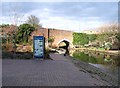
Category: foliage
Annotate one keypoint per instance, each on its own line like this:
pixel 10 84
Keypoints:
pixel 101 48
pixel 3 40
pixel 92 37
pixel 4 25
pixel 7 47
pixel 107 45
pixel 34 21
pixel 24 32
pixel 80 39
pixel 118 36
pixel 6 38
pixel 47 52
pixel 50 39
pixel 104 37
pixel 105 40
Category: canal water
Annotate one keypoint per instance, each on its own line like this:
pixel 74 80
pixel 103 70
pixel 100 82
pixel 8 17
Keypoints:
pixel 106 62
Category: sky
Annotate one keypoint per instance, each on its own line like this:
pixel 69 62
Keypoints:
pixel 73 16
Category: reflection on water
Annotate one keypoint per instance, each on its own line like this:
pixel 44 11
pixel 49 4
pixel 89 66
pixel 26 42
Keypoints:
pixel 108 63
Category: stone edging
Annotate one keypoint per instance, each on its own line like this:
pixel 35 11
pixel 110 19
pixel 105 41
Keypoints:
pixel 94 70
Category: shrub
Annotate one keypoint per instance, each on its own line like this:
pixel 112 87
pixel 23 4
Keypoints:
pixel 7 47
pixel 80 39
pixel 107 45
pixel 24 32
pixel 4 40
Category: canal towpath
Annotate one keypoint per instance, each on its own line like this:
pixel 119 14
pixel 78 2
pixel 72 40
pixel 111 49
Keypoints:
pixel 57 72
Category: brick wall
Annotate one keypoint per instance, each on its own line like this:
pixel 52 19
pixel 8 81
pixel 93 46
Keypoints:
pixel 60 35
pixel 40 32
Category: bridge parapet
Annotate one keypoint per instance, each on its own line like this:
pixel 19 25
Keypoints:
pixel 59 35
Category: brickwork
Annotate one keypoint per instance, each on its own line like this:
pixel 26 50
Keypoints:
pixel 7 30
pixel 59 35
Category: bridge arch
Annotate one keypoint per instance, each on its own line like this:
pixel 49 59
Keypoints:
pixel 66 41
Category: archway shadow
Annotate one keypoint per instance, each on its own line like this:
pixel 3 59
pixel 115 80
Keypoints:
pixel 65 47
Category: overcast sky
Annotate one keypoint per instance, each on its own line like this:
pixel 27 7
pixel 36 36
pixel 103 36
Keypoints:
pixel 75 16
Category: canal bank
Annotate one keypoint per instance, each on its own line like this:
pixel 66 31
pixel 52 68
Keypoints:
pixel 107 62
pixel 94 71
pixel 87 73
pixel 116 52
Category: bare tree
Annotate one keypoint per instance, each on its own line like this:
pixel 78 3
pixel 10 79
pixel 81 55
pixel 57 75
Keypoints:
pixel 15 18
pixel 34 21
pixel 111 27
pixel 15 13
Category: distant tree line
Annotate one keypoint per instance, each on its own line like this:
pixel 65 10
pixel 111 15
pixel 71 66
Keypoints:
pixel 4 25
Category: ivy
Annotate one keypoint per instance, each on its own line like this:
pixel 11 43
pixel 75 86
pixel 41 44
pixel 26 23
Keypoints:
pixel 82 38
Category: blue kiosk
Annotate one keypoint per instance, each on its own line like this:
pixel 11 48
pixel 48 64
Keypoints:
pixel 38 47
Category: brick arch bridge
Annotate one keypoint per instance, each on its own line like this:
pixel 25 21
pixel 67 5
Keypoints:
pixel 58 35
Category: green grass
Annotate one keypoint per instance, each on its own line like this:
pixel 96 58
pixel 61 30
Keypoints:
pixel 101 49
